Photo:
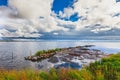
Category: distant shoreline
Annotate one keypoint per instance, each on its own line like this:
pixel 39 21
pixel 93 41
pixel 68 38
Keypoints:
pixel 40 40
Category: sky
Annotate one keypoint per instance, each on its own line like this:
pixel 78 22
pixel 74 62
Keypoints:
pixel 59 18
pixel 3 2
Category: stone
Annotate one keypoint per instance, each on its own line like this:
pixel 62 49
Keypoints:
pixel 53 60
pixel 64 59
pixel 34 58
pixel 74 54
pixel 70 57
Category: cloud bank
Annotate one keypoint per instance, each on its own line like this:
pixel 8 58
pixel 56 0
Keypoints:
pixel 34 18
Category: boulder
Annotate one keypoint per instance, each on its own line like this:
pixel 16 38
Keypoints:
pixel 53 60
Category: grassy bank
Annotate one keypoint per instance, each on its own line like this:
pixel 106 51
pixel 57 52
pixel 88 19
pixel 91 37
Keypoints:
pixel 106 69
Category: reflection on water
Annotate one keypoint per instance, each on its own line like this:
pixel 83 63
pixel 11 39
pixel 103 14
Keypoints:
pixel 12 53
pixel 69 65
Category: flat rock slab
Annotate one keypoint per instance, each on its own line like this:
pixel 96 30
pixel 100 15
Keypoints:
pixel 53 59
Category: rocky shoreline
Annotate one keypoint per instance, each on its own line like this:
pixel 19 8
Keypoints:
pixel 40 57
pixel 82 55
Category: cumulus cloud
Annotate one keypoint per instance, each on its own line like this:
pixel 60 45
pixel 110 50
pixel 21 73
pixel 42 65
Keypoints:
pixel 32 9
pixel 29 21
pixel 98 12
pixel 35 17
pixel 36 9
pixel 67 13
pixel 7 12
pixel 92 12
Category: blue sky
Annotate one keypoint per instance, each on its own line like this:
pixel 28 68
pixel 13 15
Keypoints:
pixel 117 0
pixel 59 5
pixel 3 2
pixel 60 17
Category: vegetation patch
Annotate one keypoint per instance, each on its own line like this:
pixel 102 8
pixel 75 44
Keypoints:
pixel 46 51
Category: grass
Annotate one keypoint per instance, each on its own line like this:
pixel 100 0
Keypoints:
pixel 106 69
pixel 46 51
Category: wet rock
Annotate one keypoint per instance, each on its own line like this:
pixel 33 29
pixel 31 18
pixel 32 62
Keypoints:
pixel 99 56
pixel 64 59
pixel 28 58
pixel 80 58
pixel 70 57
pixel 34 58
pixel 77 50
pixel 84 48
pixel 92 57
pixel 88 45
pixel 86 56
pixel 78 46
pixel 53 60
pixel 74 54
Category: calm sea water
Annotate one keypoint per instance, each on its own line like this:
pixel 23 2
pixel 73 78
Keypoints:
pixel 12 53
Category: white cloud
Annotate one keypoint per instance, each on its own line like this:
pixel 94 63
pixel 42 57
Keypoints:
pixel 67 13
pixel 55 33
pixel 32 9
pixel 6 12
pixel 36 9
pixel 98 12
pixel 31 18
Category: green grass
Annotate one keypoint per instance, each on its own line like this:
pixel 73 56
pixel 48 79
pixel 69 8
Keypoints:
pixel 106 69
pixel 38 53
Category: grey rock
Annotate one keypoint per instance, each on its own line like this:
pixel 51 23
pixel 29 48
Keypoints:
pixel 53 60
pixel 70 57
pixel 64 59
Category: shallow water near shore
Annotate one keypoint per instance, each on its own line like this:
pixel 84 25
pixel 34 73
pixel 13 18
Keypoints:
pixel 12 53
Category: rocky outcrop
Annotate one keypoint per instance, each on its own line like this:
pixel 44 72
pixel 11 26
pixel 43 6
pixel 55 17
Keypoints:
pixel 40 57
pixel 67 54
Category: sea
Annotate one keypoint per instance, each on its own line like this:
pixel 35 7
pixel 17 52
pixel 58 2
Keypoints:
pixel 12 53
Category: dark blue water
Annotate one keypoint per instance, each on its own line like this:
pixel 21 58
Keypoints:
pixel 69 65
